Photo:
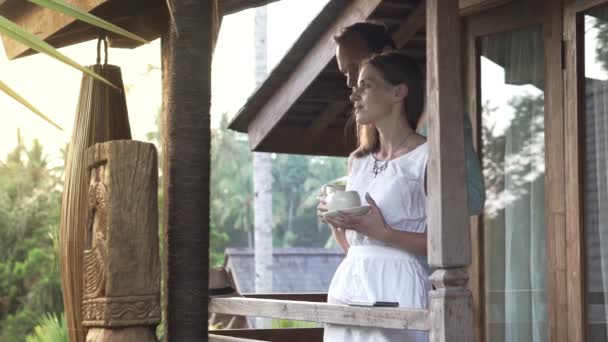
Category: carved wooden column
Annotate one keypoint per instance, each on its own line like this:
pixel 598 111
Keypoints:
pixel 121 299
pixel 449 236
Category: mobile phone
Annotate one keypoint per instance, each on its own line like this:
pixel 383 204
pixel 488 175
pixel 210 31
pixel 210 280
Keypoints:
pixel 386 304
pixel 360 303
pixel 373 304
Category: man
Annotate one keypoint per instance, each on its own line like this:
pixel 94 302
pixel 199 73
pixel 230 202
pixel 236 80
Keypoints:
pixel 360 41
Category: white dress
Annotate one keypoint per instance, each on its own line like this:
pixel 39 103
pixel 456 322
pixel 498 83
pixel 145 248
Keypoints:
pixel 373 271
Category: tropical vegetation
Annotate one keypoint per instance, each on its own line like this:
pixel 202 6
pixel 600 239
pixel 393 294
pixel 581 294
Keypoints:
pixel 30 201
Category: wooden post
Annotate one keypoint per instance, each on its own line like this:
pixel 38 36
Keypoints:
pixel 449 236
pixel 186 67
pixel 121 297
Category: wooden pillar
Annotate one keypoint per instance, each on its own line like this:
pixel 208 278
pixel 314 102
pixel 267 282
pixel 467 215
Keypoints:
pixel 449 237
pixel 121 263
pixel 186 67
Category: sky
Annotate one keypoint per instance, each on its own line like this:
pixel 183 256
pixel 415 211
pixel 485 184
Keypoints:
pixel 53 87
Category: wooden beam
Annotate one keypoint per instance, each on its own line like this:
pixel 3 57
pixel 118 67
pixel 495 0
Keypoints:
pixel 468 7
pixel 555 182
pixel 186 71
pixel 30 17
pixel 414 22
pixel 476 270
pixel 323 313
pixel 328 91
pixel 326 117
pixel 337 142
pixel 220 338
pixel 574 102
pixel 305 72
pixel 449 242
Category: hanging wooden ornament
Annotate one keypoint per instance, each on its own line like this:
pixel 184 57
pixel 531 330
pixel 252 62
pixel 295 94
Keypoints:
pixel 101 116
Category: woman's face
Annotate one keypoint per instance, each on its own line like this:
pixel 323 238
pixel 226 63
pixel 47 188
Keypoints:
pixel 373 97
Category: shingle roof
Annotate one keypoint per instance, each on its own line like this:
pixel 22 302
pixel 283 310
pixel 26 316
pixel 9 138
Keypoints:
pixel 295 270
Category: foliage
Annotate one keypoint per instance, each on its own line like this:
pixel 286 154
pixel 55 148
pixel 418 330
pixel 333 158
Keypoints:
pixel 231 188
pixel 30 199
pixel 50 328
pixel 286 323
pixel 30 282
pixel 296 183
pixel 601 42
pixel 525 160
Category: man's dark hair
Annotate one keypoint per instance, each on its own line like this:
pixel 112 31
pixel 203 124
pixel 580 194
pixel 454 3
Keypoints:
pixel 375 35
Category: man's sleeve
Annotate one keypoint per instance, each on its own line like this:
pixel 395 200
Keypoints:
pixel 476 191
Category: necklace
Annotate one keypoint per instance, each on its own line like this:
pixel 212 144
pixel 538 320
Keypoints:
pixel 381 165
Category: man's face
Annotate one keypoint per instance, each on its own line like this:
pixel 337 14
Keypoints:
pixel 350 54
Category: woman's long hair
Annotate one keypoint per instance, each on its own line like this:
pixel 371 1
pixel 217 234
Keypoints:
pixel 395 68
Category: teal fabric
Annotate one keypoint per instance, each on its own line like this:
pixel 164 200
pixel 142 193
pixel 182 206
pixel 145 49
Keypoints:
pixel 476 191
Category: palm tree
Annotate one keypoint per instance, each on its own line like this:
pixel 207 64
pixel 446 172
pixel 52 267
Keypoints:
pixel 186 56
pixel 262 178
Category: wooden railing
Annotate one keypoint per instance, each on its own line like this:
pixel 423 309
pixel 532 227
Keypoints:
pixel 322 312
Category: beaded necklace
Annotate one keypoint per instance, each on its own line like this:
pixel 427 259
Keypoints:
pixel 381 165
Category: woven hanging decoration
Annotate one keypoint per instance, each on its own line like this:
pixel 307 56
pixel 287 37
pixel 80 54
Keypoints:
pixel 101 116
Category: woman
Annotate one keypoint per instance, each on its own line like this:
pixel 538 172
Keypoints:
pixel 388 170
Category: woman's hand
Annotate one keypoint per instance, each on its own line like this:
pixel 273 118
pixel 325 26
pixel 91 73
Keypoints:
pixel 371 224
pixel 338 233
pixel 321 208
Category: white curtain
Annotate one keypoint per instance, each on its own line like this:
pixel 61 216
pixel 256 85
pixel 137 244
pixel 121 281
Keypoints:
pixel 596 207
pixel 596 172
pixel 514 170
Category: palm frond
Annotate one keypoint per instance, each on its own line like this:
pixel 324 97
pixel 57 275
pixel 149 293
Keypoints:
pixel 7 90
pixel 15 32
pixel 73 11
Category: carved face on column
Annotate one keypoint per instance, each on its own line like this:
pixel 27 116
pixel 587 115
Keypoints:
pixel 98 202
pixel 95 252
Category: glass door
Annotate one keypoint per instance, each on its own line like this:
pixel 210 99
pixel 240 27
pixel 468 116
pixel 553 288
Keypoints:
pixel 514 89
pixel 586 24
pixel 512 126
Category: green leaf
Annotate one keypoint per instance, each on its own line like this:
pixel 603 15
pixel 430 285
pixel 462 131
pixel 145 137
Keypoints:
pixel 15 32
pixel 74 12
pixel 6 89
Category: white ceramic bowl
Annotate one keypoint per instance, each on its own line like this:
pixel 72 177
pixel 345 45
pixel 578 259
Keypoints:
pixel 338 200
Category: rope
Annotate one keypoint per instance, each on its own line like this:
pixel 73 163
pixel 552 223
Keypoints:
pixel 102 37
